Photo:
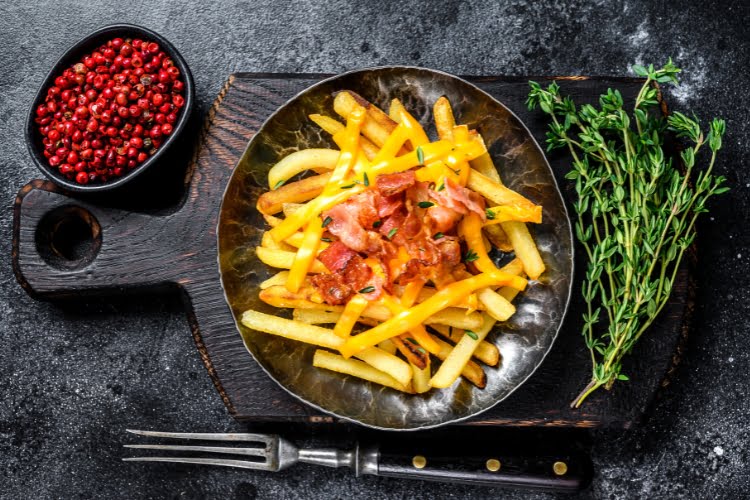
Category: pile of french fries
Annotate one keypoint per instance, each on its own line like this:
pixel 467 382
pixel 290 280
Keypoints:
pixel 406 331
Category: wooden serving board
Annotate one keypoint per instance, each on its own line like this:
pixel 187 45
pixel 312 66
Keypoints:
pixel 126 251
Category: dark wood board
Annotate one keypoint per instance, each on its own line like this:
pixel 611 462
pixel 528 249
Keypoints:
pixel 133 251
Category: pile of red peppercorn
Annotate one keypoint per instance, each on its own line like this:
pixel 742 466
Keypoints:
pixel 110 112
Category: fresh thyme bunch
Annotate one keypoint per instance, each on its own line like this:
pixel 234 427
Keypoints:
pixel 636 208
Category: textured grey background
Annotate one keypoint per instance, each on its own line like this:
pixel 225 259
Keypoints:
pixel 74 376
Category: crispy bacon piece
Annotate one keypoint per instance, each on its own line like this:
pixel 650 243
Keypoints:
pixel 387 205
pixel 450 251
pixel 332 288
pixel 336 288
pixel 336 256
pixel 442 219
pixel 347 224
pixel 459 199
pixel 390 184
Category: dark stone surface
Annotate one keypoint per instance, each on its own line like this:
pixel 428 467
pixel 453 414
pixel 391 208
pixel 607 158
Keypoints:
pixel 75 375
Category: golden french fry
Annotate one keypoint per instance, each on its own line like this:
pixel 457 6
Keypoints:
pixel 508 293
pixel 388 346
pixel 471 370
pixel 277 279
pixel 330 125
pixel 284 260
pixel 275 325
pixel 460 356
pixel 411 351
pixel 304 298
pixel 268 242
pixel 299 161
pixel 487 244
pixel 485 352
pixel 315 316
pixel 394 112
pixel 272 220
pixel 496 305
pixel 289 208
pixel 271 202
pixel 483 163
pixel 514 267
pixel 498 238
pixel 421 377
pixel 377 126
pixel 525 248
pixel 444 120
pixel 505 213
pixel 295 241
pixel 359 369
pixel 387 363
pixel 496 192
pixel 333 127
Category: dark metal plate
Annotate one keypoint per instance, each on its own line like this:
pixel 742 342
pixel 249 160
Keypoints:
pixel 523 341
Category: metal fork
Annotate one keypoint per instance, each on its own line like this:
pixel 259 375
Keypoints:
pixel 277 453
pixel 459 462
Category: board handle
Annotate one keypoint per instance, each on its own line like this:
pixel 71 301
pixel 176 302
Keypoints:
pixel 65 246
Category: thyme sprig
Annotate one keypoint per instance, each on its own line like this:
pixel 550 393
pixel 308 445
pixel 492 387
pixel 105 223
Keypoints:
pixel 636 207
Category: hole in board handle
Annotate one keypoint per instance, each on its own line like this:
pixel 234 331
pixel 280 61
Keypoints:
pixel 68 237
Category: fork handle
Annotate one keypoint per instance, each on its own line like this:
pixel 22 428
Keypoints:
pixel 558 472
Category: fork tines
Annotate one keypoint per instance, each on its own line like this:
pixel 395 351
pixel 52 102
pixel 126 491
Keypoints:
pixel 267 449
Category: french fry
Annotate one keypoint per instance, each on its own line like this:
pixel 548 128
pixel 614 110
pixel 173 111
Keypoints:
pixel 387 363
pixel 496 192
pixel 289 208
pixel 497 237
pixel 377 126
pixel 411 351
pixel 284 260
pixel 267 242
pixel 444 120
pixel 508 293
pixel 394 111
pixel 349 316
pixel 460 356
pixel 290 329
pixel 485 352
pixel 514 267
pixel 421 377
pixel 484 164
pixel 299 161
pixel 304 298
pixel 470 371
pixel 388 346
pixel 333 127
pixel 277 279
pixel 330 125
pixel 359 369
pixel 496 305
pixel 295 241
pixel 525 248
pixel 505 213
pixel 315 316
pixel 271 202
pixel 272 220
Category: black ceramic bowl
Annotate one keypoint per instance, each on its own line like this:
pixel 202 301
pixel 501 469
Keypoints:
pixel 73 55
pixel 523 341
